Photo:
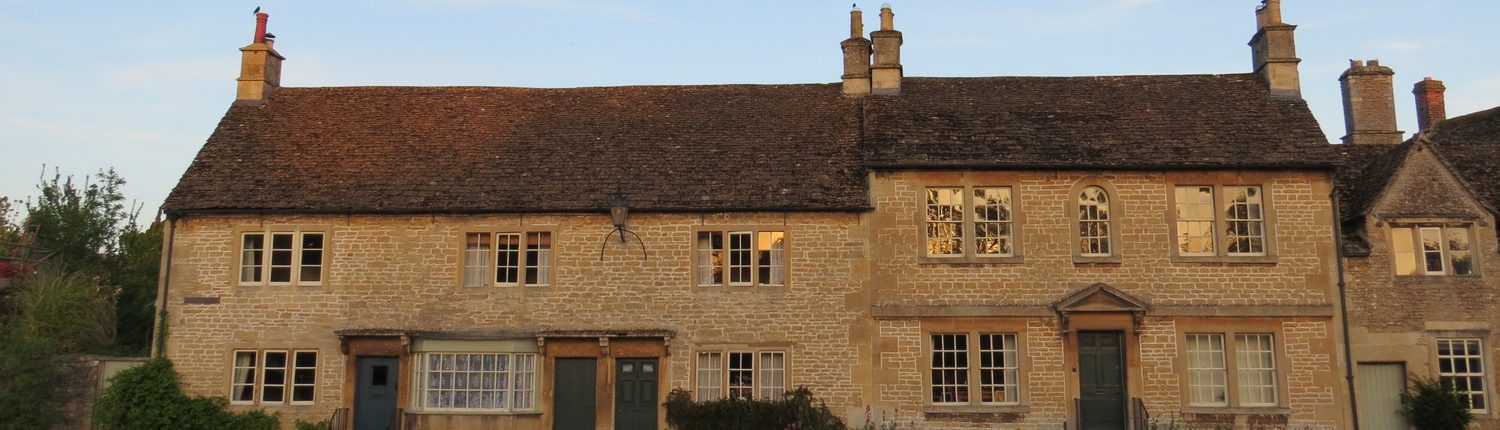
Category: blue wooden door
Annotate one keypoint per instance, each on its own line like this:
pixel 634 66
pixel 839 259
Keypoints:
pixel 375 394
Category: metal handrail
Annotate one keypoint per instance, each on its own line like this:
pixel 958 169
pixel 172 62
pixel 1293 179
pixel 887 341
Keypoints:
pixel 339 420
pixel 1140 417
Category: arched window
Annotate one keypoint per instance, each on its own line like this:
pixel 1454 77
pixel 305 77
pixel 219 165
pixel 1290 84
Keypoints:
pixel 1093 222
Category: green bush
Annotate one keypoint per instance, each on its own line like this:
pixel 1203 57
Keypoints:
pixel 147 398
pixel 28 375
pixel 794 410
pixel 1434 405
pixel 306 425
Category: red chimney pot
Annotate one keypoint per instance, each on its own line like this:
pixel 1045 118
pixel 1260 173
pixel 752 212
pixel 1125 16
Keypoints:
pixel 260 26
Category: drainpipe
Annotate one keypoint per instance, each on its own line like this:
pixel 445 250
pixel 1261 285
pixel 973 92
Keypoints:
pixel 157 336
pixel 1338 245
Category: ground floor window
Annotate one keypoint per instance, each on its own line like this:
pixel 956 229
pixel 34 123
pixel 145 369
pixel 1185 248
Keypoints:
pixel 447 381
pixel 1461 364
pixel 995 360
pixel 741 375
pixel 1208 369
pixel 269 377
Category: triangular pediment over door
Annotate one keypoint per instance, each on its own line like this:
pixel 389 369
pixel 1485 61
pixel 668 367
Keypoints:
pixel 1100 297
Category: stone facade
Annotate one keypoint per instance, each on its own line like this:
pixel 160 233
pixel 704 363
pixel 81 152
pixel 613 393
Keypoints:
pixel 1397 319
pixel 854 318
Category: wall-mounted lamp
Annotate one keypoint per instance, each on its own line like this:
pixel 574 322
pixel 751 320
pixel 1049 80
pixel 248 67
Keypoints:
pixel 619 212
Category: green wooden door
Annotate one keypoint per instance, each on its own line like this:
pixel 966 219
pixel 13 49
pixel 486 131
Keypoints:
pixel 1380 388
pixel 635 393
pixel 574 393
pixel 1101 381
pixel 375 393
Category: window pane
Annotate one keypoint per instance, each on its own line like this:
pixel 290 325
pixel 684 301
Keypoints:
pixel 945 222
pixel 1461 364
pixel 311 270
pixel 710 376
pixel 1404 248
pixel 476 381
pixel 281 257
pixel 770 257
pixel 242 387
pixel 741 375
pixel 1207 380
pixel 1244 229
pixel 252 254
pixel 950 368
pixel 739 258
pixel 508 258
pixel 538 258
pixel 992 221
pixel 772 375
pixel 476 259
pixel 523 396
pixel 1256 361
pixel 710 258
pixel 1458 251
pixel 999 383
pixel 304 375
pixel 1093 222
pixel 1195 220
pixel 273 379
pixel 1432 250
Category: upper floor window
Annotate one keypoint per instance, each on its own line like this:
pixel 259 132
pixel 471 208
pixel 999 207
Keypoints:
pixel 741 375
pixel 1461 365
pixel 1220 220
pixel 1209 379
pixel 1432 249
pixel 1093 223
pixel 954 360
pixel 281 258
pixel 266 377
pixel 969 222
pixel 507 259
pixel 741 258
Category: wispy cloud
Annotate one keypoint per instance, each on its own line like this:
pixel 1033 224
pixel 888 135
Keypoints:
pixel 618 12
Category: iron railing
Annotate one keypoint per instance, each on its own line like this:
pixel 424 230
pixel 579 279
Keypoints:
pixel 1140 417
pixel 339 420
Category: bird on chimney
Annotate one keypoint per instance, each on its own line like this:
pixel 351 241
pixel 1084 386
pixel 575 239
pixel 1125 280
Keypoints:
pixel 257 10
pixel 270 36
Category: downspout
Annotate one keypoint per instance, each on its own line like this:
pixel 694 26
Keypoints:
pixel 1338 244
pixel 158 341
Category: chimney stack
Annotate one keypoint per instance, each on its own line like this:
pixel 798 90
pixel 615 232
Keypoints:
pixel 1369 103
pixel 1430 107
pixel 886 72
pixel 856 56
pixel 1274 51
pixel 260 66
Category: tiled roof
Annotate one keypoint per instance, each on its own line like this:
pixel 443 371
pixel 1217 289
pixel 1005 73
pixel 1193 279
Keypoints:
pixel 1364 170
pixel 1471 144
pixel 717 147
pixel 1180 121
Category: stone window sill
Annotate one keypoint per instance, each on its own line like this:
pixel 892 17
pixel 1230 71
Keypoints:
pixel 1113 260
pixel 1220 259
pixel 976 409
pixel 1243 410
pixel 970 261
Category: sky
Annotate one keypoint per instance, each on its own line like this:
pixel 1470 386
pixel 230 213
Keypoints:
pixel 138 86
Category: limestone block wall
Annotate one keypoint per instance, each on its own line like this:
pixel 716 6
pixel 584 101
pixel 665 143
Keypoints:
pixel 403 272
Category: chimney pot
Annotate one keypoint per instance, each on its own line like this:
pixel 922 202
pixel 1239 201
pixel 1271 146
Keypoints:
pixel 1431 108
pixel 260 66
pixel 886 72
pixel 856 57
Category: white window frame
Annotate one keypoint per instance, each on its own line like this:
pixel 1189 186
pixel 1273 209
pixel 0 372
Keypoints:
pixel 707 259
pixel 1234 368
pixel 258 370
pixel 527 259
pixel 712 373
pixel 1469 373
pixel 969 221
pixel 972 369
pixel 1408 246
pixel 268 250
pixel 1222 205
pixel 517 380
pixel 1095 213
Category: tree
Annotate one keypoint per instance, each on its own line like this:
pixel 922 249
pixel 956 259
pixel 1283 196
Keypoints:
pixel 81 224
pixel 133 270
pixel 1433 404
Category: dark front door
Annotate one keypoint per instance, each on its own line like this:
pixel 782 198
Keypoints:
pixel 1101 381
pixel 375 394
pixel 635 393
pixel 573 401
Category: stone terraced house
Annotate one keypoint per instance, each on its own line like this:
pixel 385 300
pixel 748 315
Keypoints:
pixel 949 253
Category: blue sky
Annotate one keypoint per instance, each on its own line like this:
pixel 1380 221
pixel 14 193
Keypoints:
pixel 138 86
